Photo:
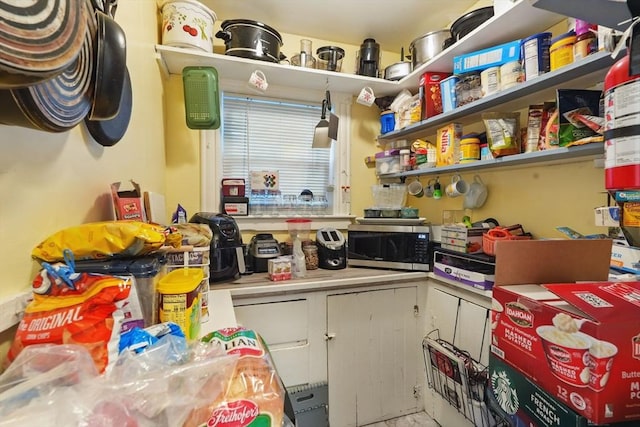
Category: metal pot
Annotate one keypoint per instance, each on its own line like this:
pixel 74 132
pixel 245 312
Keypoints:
pixel 398 70
pixel 251 39
pixel 427 46
pixel 470 21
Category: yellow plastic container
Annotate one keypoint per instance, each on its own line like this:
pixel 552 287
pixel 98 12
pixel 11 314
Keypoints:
pixel 469 149
pixel 179 300
pixel 561 50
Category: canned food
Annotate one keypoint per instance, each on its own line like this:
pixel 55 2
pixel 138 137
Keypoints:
pixel 535 54
pixel 490 80
pixel 562 50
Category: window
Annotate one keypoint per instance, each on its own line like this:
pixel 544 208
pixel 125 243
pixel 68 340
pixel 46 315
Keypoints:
pixel 256 129
pixel 260 134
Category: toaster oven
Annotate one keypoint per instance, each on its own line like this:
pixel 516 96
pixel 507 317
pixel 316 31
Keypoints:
pixel 397 247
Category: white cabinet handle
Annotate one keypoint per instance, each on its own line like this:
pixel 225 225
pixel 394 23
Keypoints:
pixel 329 336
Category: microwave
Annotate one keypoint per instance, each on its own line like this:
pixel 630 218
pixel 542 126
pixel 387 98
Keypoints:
pixel 397 247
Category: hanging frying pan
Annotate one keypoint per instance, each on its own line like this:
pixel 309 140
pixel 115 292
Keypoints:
pixel 39 39
pixel 60 103
pixel 109 132
pixel 110 60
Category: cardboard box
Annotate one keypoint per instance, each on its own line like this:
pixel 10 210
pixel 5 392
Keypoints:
pixel 235 206
pixel 462 239
pixel 430 96
pixel 526 403
pixel 128 204
pixel 625 257
pixel 279 268
pixel 479 274
pixel 486 58
pixel 607 216
pixel 448 144
pixel 580 342
pixel 234 187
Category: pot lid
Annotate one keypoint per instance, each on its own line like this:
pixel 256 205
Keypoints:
pixel 471 20
pixel 41 37
pixel 248 22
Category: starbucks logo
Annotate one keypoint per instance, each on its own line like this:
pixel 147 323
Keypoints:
pixel 506 396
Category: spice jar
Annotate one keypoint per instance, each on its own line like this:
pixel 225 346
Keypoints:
pixel 310 254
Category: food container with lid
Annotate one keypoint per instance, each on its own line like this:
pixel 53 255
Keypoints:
pixel 187 23
pixel 561 50
pixel 179 300
pixel 388 161
pixel 535 55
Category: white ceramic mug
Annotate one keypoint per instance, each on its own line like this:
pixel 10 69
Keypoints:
pixel 430 188
pixel 458 186
pixel 258 80
pixel 415 188
pixel 366 96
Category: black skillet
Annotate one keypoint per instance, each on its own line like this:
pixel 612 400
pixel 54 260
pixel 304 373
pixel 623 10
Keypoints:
pixel 109 132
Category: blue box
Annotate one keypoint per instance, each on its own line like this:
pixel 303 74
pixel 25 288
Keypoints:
pixel 448 93
pixel 486 58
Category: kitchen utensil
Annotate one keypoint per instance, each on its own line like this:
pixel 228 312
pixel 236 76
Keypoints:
pixel 321 134
pixel 415 188
pixel 109 132
pixel 110 68
pixel 251 39
pixel 59 103
pixel 333 119
pixel 305 57
pixel 470 21
pixel 366 96
pixel 458 186
pixel 40 39
pixel 201 97
pixel 476 196
pixel 330 58
pixel 427 46
pixel 398 70
pixel 187 23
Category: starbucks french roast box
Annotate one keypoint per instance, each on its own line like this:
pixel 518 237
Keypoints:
pixel 568 329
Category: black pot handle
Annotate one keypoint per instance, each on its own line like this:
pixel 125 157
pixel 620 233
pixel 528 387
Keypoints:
pixel 224 35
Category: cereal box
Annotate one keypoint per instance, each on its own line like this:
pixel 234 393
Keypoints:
pixel 448 144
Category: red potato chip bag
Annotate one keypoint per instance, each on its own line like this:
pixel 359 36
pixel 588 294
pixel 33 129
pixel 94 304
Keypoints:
pixel 90 315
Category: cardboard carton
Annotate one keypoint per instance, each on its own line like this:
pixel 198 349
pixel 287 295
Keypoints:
pixel 128 204
pixel 580 342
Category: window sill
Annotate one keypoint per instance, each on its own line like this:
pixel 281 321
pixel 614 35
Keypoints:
pixel 279 223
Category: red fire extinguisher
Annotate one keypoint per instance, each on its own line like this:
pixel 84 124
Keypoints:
pixel 622 115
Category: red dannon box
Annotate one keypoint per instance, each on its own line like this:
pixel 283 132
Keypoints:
pixel 580 342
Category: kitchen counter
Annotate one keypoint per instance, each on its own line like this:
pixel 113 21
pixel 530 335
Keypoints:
pixel 258 284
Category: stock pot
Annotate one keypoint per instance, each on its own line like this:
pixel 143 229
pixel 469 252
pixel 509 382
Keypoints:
pixel 427 46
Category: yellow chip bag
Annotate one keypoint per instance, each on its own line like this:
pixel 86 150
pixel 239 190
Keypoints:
pixel 99 240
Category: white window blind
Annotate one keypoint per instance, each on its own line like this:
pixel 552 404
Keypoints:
pixel 260 134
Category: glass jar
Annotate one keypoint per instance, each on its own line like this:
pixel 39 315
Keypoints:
pixel 310 254
pixel 319 205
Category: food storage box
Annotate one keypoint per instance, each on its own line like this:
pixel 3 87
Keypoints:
pixel 233 187
pixel 485 58
pixel 448 144
pixel 430 96
pixel 279 268
pixel 462 239
pixel 388 161
pixel 560 323
pixel 448 93
pixel 477 271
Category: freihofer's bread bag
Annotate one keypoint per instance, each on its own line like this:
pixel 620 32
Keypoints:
pixel 254 396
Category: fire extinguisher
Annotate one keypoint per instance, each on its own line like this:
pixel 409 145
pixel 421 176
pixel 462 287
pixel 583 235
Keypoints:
pixel 622 112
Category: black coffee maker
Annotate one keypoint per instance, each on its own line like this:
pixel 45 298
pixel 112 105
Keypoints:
pixel 369 58
pixel 226 255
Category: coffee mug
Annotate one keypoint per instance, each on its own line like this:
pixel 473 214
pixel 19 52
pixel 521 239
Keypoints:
pixel 430 188
pixel 458 186
pixel 415 188
pixel 258 80
pixel 366 96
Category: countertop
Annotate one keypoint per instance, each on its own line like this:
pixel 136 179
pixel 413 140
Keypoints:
pixel 258 284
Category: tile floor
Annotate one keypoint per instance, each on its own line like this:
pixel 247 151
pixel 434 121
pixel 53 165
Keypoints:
pixel 419 419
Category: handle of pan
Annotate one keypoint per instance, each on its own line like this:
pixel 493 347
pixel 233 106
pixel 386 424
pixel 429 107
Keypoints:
pixel 328 99
pixel 324 109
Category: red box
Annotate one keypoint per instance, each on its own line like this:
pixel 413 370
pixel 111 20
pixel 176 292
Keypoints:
pixel 233 187
pixel 128 204
pixel 430 95
pixel 580 342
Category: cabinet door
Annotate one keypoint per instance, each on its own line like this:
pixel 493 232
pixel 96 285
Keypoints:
pixel 284 327
pixel 471 328
pixel 372 355
pixel 442 313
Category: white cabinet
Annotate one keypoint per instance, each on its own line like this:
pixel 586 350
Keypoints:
pixel 373 355
pixel 459 317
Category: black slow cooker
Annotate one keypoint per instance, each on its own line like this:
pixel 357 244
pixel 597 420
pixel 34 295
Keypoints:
pixel 251 39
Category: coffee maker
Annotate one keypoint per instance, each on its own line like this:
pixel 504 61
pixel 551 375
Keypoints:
pixel 226 255
pixel 369 58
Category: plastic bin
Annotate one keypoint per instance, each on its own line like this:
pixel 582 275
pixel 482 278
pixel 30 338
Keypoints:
pixel 147 272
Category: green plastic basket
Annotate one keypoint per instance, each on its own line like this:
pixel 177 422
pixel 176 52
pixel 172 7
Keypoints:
pixel 201 97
